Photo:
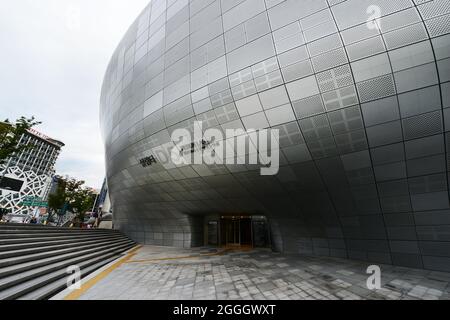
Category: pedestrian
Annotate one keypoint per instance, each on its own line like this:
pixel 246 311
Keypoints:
pixel 95 216
pixel 100 218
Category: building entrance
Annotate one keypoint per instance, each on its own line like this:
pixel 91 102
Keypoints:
pixel 241 231
pixel 236 231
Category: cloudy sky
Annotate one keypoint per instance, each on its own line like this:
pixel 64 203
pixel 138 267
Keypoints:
pixel 52 60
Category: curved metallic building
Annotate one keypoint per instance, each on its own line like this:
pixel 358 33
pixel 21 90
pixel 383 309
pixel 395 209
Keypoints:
pixel 359 90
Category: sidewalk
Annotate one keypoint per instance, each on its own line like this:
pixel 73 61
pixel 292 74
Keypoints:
pixel 160 273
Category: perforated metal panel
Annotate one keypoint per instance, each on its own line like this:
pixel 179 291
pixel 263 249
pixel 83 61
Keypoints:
pixel 361 113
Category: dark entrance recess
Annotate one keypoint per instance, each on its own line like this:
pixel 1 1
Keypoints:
pixel 260 233
pixel 213 233
pixel 242 231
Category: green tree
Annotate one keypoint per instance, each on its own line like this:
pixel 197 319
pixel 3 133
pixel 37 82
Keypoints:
pixel 57 200
pixel 79 197
pixel 73 195
pixel 84 201
pixel 10 135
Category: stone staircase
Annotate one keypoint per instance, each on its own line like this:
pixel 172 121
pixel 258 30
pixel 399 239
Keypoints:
pixel 34 259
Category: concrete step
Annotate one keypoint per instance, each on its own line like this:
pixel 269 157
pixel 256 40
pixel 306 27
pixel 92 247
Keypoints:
pixel 51 246
pixel 26 235
pixel 34 259
pixel 33 232
pixel 49 243
pixel 18 278
pixel 10 270
pixel 30 227
pixel 18 259
pixel 45 281
pixel 41 239
pixel 52 289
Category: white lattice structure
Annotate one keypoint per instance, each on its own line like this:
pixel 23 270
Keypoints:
pixel 34 167
pixel 36 186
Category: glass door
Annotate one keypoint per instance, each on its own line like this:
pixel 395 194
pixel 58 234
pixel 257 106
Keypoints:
pixel 233 232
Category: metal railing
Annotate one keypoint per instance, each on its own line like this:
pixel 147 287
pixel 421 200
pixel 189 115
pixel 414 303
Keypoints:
pixel 66 219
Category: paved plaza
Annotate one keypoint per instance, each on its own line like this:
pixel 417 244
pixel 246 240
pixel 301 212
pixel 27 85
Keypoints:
pixel 156 273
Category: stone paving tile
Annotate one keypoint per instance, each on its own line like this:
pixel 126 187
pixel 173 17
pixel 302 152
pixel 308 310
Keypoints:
pixel 156 274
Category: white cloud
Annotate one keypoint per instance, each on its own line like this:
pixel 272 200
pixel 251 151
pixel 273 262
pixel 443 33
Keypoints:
pixel 53 58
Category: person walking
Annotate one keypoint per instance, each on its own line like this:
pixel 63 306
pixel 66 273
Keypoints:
pixel 96 217
pixel 100 217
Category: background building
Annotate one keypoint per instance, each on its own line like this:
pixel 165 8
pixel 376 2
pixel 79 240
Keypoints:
pixel 28 175
pixel 103 202
pixel 361 101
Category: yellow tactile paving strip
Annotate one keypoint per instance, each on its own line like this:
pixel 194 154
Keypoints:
pixel 76 294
